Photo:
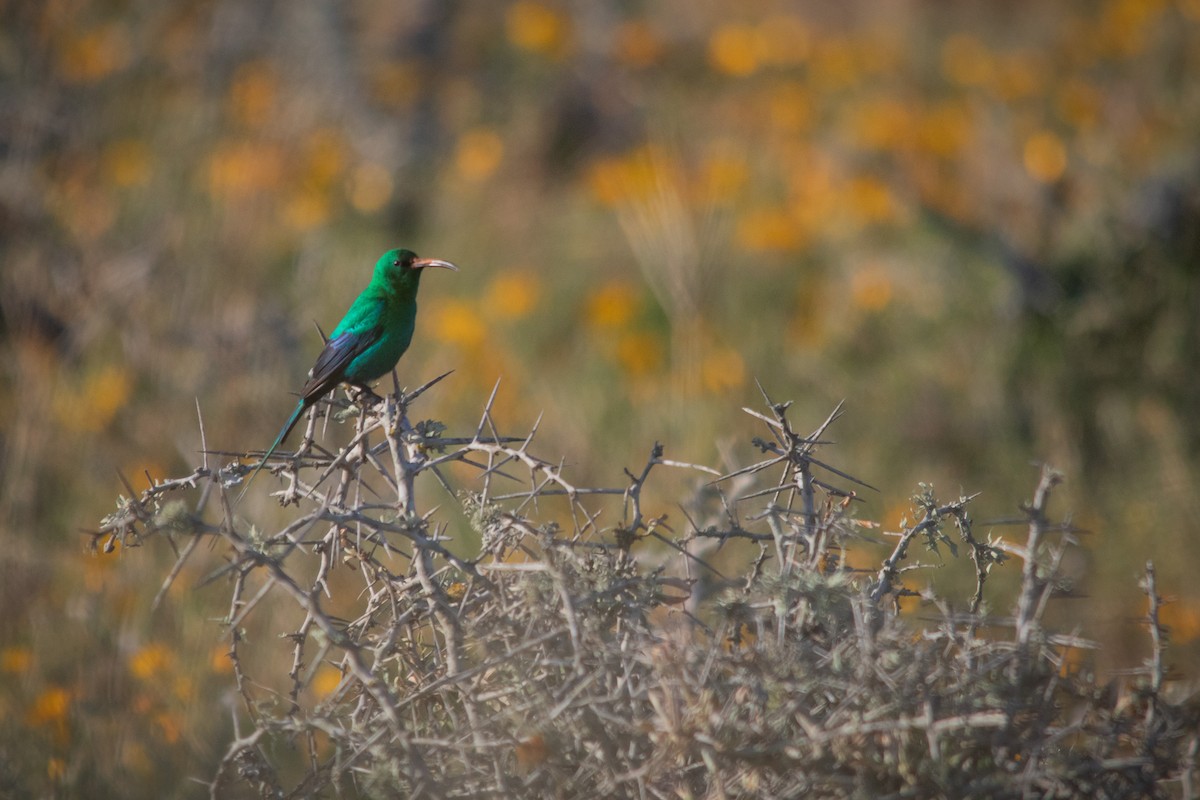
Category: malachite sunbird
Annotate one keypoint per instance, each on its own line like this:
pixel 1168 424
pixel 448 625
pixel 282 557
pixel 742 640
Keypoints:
pixel 369 340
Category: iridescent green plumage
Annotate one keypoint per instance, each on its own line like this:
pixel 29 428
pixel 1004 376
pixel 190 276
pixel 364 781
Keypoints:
pixel 369 340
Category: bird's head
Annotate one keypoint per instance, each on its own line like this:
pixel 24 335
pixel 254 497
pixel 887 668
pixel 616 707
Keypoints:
pixel 401 269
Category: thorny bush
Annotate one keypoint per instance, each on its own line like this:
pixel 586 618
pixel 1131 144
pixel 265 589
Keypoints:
pixel 590 650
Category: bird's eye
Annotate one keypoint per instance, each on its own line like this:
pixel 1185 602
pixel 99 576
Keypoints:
pixel 395 262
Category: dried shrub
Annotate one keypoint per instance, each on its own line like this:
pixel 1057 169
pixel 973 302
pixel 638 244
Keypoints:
pixel 575 657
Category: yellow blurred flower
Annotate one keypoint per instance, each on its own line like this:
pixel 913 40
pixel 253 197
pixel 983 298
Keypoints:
pixel 967 61
pixel 395 84
pixel 735 49
pixel 1124 25
pixel 1019 75
pixel 50 708
pixel 640 353
pixel 307 208
pixel 790 106
pixel 945 130
pixel 184 688
pixel 1079 103
pixel 219 661
pixel 768 229
pixel 327 680
pixel 605 180
pixel 836 64
pixel 1045 156
pixel 456 322
pixel 537 27
pixel 370 187
pixel 1183 619
pixel 882 123
pixel 722 369
pixel 479 153
pixel 151 660
pixel 511 295
pixel 92 406
pixel 612 304
pixel 15 660
pixel 870 199
pixel 242 168
pixel 127 162
pixel 325 157
pixel 722 176
pixel 169 726
pixel 807 327
pixel 252 94
pixel 871 288
pixel 89 56
pixel 636 175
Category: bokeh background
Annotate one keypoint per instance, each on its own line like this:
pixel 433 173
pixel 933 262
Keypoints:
pixel 976 222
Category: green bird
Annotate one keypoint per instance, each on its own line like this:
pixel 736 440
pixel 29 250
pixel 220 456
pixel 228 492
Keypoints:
pixel 369 340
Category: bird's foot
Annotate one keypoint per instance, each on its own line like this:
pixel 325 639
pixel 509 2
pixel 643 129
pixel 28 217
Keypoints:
pixel 365 396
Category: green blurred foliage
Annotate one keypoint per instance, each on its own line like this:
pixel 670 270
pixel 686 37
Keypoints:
pixel 978 222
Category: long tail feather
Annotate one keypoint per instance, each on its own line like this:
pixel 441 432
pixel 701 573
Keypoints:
pixel 283 434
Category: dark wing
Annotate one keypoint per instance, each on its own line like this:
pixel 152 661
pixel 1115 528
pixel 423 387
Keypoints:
pixel 331 365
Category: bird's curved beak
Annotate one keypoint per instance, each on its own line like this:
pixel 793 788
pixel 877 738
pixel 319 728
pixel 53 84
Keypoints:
pixel 421 263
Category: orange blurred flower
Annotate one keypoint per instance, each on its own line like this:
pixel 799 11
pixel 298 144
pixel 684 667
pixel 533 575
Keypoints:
pixel 722 369
pixel 967 61
pixel 640 353
pixel 1045 156
pixel 369 187
pixel 15 660
pixel 326 681
pixel 612 304
pixel 169 726
pixel 736 49
pixel 836 64
pixel 150 661
pixel 457 322
pixel 88 56
pixel 722 176
pixel 219 661
pixel 511 295
pixel 883 123
pixel 395 84
pixel 127 162
pixel 538 28
pixel 242 168
pixel 479 153
pixel 325 157
pixel 945 130
pixel 790 107
pixel 768 229
pixel 635 175
pixel 1183 619
pixel 52 709
pixel 1079 103
pixel 307 208
pixel 871 288
pixel 252 94
pixel 870 199
pixel 92 405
